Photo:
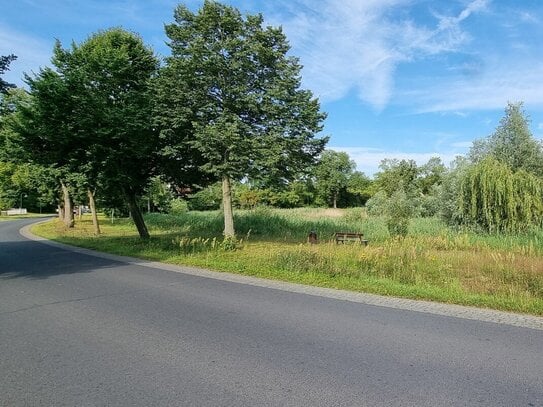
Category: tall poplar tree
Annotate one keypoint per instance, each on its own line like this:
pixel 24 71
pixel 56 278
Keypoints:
pixel 230 94
pixel 512 143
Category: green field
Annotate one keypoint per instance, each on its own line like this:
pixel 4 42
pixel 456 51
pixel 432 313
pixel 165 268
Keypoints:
pixel 433 262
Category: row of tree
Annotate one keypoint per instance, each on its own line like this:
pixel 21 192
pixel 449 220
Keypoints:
pixel 226 105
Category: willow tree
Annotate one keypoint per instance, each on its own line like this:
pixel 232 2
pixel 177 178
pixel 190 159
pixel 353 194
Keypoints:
pixel 231 93
pixel 92 115
pixel 497 199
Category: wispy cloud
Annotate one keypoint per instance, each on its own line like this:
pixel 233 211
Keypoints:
pixel 528 17
pixel 357 45
pixel 491 90
pixel 32 53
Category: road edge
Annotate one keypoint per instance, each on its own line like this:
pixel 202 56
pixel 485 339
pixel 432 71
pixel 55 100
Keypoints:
pixel 428 307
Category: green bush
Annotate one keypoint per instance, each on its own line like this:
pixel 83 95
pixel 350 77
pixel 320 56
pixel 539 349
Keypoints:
pixel 399 210
pixel 397 226
pixel 207 199
pixel 178 206
pixel 377 204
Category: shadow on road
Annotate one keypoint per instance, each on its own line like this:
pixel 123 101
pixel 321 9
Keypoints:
pixel 34 260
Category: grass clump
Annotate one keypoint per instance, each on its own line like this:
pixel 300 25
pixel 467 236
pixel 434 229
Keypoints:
pixel 188 245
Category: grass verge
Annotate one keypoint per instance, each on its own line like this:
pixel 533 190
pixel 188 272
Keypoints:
pixel 28 215
pixel 432 263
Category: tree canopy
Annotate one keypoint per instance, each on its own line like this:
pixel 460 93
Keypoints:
pixel 231 92
pixel 5 61
pixel 92 114
pixel 497 199
pixel 512 143
pixel 333 173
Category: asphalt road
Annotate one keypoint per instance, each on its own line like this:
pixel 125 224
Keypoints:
pixel 77 330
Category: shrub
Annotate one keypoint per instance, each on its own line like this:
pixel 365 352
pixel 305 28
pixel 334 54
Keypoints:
pixel 377 204
pixel 207 199
pixel 399 210
pixel 178 206
pixel 430 204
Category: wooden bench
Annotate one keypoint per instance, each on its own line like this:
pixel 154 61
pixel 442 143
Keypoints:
pixel 342 237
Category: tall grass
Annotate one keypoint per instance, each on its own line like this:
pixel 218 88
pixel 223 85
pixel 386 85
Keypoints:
pixel 433 262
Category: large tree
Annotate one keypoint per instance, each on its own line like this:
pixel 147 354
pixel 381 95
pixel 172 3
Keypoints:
pixel 332 175
pixel 92 115
pixel 397 175
pixel 512 143
pixel 498 199
pixel 231 93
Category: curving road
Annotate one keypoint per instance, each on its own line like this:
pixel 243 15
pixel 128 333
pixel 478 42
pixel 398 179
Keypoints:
pixel 78 330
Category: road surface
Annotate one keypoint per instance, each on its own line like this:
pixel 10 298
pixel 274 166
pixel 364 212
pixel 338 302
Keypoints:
pixel 78 330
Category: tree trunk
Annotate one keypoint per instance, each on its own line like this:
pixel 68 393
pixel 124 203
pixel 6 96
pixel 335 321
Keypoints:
pixel 227 207
pixel 94 215
pixel 135 214
pixel 68 211
pixel 60 212
pixel 335 200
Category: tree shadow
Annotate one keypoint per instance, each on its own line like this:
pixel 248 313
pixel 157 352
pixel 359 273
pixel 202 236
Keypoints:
pixel 34 260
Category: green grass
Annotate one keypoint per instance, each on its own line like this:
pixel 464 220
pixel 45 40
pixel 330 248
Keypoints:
pixel 28 215
pixel 434 262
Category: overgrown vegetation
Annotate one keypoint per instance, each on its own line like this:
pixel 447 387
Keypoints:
pixel 433 261
pixel 497 199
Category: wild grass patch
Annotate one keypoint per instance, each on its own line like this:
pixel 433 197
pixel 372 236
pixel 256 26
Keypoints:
pixel 433 262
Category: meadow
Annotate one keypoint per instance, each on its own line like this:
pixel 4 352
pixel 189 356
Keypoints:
pixel 434 262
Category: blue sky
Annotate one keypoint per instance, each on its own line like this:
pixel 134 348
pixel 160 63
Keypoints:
pixel 398 78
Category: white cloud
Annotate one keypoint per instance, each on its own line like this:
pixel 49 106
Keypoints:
pixel 491 90
pixel 368 159
pixel 356 44
pixel 473 7
pixel 528 17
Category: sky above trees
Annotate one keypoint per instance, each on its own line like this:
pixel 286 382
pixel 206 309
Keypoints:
pixel 398 78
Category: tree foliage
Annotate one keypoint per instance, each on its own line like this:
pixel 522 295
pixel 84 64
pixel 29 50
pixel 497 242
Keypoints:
pixel 496 199
pixel 333 173
pixel 92 114
pixel 397 174
pixel 5 61
pixel 231 92
pixel 512 143
pixel 398 211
